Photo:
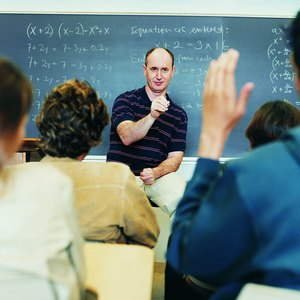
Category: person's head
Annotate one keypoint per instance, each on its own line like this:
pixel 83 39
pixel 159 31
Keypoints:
pixel 71 120
pixel 159 69
pixel 271 121
pixel 15 103
pixel 294 38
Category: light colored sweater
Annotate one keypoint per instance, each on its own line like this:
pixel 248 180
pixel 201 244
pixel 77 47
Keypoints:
pixel 112 207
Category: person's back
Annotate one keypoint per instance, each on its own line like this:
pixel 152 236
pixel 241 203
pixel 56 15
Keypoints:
pixel 112 207
pixel 263 220
pixel 40 252
pixel 270 122
pixel 259 225
pixel 239 224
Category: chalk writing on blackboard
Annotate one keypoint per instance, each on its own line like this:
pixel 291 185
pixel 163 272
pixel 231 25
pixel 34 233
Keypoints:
pixel 109 52
pixel 281 72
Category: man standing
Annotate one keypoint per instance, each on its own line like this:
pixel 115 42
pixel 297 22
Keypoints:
pixel 148 132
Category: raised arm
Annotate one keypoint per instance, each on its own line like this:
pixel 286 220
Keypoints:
pixel 204 221
pixel 222 110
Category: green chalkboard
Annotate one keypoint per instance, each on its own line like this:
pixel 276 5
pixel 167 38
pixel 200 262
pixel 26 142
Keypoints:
pixel 108 51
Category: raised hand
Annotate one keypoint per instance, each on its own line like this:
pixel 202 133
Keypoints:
pixel 222 110
pixel 159 105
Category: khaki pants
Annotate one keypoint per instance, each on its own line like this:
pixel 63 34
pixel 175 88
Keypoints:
pixel 165 192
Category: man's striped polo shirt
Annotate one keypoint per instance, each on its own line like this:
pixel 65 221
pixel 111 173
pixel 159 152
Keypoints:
pixel 167 134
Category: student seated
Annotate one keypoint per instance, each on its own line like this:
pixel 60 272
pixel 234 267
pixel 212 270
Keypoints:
pixel 271 121
pixel 41 246
pixel 112 207
pixel 239 224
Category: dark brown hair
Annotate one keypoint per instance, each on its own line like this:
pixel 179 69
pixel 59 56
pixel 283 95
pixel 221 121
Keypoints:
pixel 15 96
pixel 71 119
pixel 294 37
pixel 271 121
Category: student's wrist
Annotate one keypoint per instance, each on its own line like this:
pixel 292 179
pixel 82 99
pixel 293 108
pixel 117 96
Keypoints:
pixel 211 144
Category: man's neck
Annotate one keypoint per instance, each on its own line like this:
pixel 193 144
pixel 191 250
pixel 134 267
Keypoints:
pixel 152 95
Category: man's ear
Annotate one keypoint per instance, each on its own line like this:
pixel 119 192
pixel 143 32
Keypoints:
pixel 173 71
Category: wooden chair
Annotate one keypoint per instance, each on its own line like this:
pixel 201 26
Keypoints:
pixel 253 291
pixel 117 271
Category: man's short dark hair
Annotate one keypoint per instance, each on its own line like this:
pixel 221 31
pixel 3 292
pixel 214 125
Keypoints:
pixel 152 49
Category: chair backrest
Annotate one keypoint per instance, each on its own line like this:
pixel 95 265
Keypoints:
pixel 116 271
pixel 253 291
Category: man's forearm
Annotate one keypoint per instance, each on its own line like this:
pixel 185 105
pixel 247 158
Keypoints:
pixel 167 166
pixel 131 132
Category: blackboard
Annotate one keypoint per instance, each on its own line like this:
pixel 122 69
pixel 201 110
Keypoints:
pixel 108 51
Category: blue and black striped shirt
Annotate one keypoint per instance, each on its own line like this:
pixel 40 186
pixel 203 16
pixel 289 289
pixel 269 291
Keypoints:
pixel 167 134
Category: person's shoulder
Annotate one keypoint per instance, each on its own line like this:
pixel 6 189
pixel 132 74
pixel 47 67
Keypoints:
pixel 105 168
pixel 285 146
pixel 257 174
pixel 34 168
pixel 131 93
pixel 111 172
pixel 178 109
pixel 293 136
pixel 92 166
pixel 95 172
pixel 261 159
pixel 36 180
pixel 67 166
pixel 38 173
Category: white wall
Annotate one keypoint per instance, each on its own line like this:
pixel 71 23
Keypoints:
pixel 265 8
pixel 272 8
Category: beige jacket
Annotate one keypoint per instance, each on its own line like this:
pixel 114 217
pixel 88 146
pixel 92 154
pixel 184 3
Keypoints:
pixel 112 207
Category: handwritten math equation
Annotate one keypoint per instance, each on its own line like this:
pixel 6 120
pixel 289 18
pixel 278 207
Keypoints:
pixel 56 51
pixel 281 73
pixel 62 31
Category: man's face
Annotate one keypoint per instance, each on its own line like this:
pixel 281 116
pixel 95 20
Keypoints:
pixel 159 71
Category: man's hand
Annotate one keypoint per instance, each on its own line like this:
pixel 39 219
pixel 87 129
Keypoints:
pixel 147 176
pixel 130 132
pixel 159 105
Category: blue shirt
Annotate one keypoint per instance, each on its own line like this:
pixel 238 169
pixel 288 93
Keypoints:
pixel 241 224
